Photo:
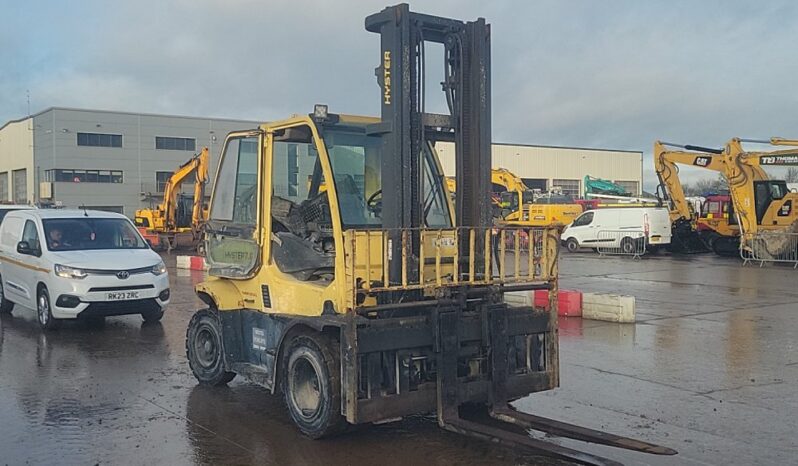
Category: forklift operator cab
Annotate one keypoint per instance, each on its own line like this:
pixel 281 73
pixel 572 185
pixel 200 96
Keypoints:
pixel 293 230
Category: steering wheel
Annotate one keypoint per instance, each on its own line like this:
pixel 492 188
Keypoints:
pixel 374 202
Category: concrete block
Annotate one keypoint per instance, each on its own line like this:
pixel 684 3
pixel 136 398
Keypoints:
pixel 518 298
pixel 608 307
pixel 191 263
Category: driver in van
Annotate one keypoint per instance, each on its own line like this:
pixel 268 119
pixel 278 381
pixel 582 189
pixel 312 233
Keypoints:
pixel 55 240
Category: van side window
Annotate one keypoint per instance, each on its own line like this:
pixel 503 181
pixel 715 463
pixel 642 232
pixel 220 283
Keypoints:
pixel 584 219
pixel 30 235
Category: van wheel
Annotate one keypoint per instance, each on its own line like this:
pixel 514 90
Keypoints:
pixel 44 311
pixel 627 245
pixel 311 385
pixel 572 245
pixel 6 306
pixel 205 349
pixel 152 316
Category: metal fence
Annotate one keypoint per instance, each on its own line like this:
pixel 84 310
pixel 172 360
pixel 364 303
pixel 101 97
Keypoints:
pixel 621 242
pixel 770 247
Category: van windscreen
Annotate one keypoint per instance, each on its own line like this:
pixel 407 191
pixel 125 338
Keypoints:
pixel 78 234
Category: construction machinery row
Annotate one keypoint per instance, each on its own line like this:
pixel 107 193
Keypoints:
pixel 756 204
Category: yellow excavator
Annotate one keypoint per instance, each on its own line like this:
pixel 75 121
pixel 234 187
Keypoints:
pixel 693 232
pixel 766 209
pixel 178 215
pixel 515 204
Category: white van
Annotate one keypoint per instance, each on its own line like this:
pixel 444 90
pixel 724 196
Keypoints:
pixel 623 228
pixel 79 263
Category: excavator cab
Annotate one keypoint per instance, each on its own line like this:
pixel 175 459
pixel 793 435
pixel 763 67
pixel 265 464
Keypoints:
pixel 765 193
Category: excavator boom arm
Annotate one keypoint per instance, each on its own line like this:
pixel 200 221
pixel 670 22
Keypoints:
pixel 665 164
pixel 197 166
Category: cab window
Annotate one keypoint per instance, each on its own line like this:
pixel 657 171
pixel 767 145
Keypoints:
pixel 232 242
pixel 584 219
pixel 236 187
pixel 30 235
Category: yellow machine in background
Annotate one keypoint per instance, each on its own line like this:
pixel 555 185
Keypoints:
pixel 520 206
pixel 766 209
pixel 174 217
pixel 691 231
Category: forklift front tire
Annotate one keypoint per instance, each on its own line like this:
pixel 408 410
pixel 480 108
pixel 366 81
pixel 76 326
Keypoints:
pixel 311 385
pixel 205 349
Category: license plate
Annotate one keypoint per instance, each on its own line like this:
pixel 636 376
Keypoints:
pixel 655 239
pixel 122 295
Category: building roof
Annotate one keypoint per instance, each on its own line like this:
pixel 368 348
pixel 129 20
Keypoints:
pixel 73 109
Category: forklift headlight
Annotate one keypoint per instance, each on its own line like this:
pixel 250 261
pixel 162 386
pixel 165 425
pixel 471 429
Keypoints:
pixel 320 112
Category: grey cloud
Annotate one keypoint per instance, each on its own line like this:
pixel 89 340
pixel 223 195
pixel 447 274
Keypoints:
pixel 609 74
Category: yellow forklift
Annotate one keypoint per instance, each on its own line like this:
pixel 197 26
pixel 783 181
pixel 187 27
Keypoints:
pixel 372 299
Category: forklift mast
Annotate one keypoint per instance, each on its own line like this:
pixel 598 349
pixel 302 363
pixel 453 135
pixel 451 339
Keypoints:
pixel 406 127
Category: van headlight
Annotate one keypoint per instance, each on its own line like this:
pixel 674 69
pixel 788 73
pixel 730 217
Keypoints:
pixel 159 268
pixel 64 271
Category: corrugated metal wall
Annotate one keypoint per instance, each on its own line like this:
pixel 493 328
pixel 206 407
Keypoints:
pixel 558 163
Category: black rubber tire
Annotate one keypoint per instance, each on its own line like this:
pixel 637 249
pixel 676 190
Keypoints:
pixel 205 349
pixel 44 312
pixel 6 306
pixel 317 353
pixel 152 316
pixel 627 245
pixel 572 245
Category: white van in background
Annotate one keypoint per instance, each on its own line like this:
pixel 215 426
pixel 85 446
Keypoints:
pixel 623 228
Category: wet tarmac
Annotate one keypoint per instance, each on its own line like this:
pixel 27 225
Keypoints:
pixel 710 369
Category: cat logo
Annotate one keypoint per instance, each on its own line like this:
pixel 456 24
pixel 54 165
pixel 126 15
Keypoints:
pixel 785 209
pixel 702 161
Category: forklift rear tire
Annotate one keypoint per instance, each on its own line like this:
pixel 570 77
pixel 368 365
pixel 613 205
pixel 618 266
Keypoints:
pixel 311 385
pixel 205 349
pixel 572 245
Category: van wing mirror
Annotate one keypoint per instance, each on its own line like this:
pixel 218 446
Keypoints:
pixel 24 248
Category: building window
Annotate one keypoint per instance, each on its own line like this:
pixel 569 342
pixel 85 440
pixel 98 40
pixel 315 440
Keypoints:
pixel 161 178
pixel 293 170
pixel 99 140
pixel 4 187
pixel 569 187
pixel 20 186
pixel 168 143
pixel 629 186
pixel 70 175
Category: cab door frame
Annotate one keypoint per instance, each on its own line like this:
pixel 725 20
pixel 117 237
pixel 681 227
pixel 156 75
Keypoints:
pixel 229 227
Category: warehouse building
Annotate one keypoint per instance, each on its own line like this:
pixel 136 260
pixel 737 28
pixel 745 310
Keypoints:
pixel 116 161
pixel 546 167
pixel 120 161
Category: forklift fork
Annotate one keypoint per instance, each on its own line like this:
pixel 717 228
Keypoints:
pixel 448 410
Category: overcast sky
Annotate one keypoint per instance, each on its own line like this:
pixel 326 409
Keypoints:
pixel 608 74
